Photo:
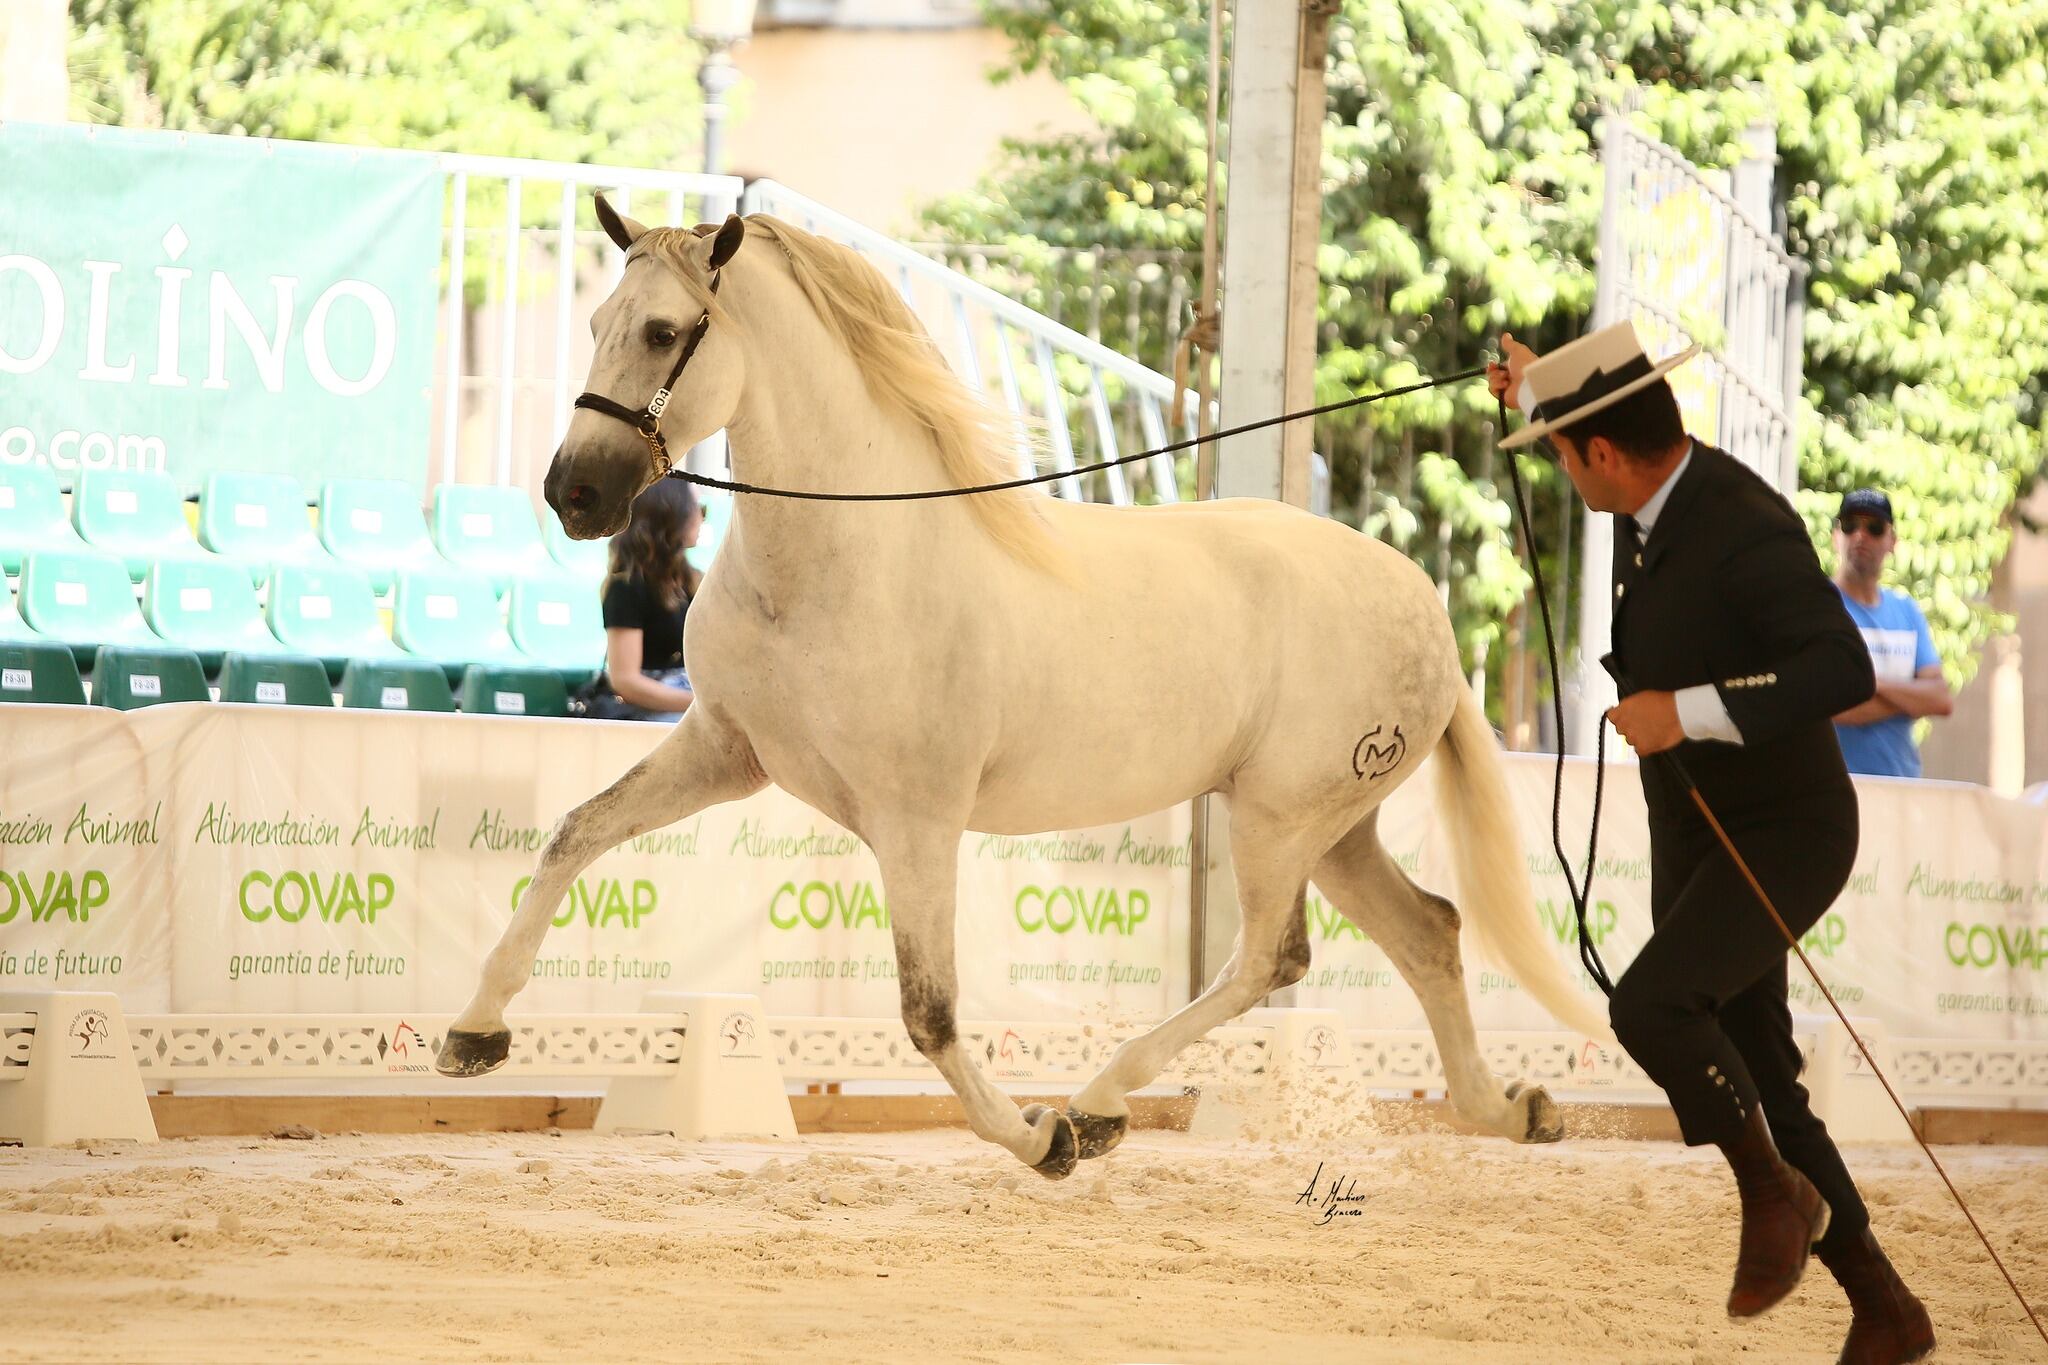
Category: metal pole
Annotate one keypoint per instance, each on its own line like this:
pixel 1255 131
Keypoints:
pixel 451 417
pixel 717 75
pixel 508 330
pixel 565 295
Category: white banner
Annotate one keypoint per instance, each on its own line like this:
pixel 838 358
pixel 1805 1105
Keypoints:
pixel 217 859
pixel 1941 932
pixel 220 859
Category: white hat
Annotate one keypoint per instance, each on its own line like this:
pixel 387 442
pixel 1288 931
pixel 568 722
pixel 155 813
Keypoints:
pixel 1577 380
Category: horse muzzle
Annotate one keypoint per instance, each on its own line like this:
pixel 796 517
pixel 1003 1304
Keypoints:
pixel 590 500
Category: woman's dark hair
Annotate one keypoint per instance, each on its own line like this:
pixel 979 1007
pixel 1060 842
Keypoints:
pixel 1643 426
pixel 651 546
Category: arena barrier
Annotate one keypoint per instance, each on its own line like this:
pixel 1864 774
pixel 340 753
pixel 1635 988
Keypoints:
pixel 72 1067
pixel 262 860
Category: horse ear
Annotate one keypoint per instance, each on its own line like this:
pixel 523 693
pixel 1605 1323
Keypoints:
pixel 622 230
pixel 727 243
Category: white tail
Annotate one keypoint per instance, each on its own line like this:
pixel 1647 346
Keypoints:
pixel 1494 890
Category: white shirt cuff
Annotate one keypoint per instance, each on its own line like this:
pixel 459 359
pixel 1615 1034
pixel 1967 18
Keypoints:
pixel 1525 399
pixel 1703 715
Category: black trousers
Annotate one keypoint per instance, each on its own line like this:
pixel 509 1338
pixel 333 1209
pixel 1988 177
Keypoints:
pixel 1703 1007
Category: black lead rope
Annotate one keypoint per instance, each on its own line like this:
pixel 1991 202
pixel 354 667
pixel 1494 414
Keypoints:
pixel 1053 476
pixel 1581 892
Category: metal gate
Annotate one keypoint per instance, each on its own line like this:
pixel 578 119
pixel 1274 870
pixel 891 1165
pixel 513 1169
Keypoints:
pixel 1689 255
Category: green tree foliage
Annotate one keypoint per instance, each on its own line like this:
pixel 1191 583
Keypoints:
pixel 557 80
pixel 1461 197
pixel 550 80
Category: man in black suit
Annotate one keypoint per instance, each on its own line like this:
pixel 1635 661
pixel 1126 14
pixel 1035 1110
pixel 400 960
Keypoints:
pixel 1732 651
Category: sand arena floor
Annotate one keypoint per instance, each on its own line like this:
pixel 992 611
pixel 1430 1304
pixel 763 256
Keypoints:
pixel 932 1247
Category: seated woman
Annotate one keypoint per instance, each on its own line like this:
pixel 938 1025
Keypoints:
pixel 646 598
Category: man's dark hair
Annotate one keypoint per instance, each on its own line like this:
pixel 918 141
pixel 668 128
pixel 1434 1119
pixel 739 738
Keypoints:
pixel 1643 426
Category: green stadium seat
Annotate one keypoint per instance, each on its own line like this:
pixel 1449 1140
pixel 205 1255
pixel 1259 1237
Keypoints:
pixel 31 515
pixel 496 690
pixel 558 623
pixel 490 530
pixel 134 514
pixel 259 521
pixel 578 558
pixel 84 599
pixel 375 526
pixel 127 678
pixel 206 607
pixel 450 617
pixel 328 613
pixel 396 685
pixel 38 671
pixel 12 627
pixel 275 680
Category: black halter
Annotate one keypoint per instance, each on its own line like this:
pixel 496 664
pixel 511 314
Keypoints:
pixel 647 421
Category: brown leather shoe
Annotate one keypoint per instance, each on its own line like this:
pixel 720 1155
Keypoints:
pixel 1783 1215
pixel 1890 1326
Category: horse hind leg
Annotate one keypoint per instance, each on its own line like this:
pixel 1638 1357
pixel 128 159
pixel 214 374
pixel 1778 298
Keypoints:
pixel 1419 932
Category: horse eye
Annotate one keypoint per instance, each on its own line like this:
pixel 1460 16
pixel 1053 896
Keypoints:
pixel 661 336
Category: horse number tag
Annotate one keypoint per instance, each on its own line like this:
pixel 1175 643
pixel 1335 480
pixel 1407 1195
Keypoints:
pixel 510 703
pixel 6 498
pixel 251 514
pixel 72 594
pixel 16 680
pixel 392 699
pixel 121 502
pixel 270 691
pixel 195 599
pixel 440 606
pixel 477 524
pixel 316 609
pixel 146 685
pixel 368 520
pixel 553 613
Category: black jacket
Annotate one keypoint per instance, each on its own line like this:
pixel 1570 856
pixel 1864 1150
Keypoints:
pixel 1728 591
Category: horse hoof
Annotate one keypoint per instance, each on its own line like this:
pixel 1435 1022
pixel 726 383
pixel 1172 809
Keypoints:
pixel 472 1054
pixel 1541 1121
pixel 1096 1134
pixel 1060 1159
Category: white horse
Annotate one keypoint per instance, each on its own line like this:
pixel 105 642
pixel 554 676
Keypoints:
pixel 883 661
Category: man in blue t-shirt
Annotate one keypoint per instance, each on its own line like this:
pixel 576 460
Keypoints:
pixel 1877 737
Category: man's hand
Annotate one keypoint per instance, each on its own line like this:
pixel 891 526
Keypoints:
pixel 1648 721
pixel 1505 377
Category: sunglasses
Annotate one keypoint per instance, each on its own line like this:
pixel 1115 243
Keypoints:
pixel 1869 526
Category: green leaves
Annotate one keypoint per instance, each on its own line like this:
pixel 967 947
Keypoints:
pixel 1461 197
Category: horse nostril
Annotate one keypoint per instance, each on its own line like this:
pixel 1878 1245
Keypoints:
pixel 581 497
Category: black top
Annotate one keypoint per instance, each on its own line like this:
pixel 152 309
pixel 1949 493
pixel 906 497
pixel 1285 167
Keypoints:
pixel 1728 591
pixel 629 604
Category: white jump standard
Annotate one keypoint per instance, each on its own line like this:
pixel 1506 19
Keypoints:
pixel 885 662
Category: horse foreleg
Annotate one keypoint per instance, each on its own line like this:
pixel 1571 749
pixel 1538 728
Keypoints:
pixel 702 762
pixel 1272 952
pixel 920 873
pixel 1419 933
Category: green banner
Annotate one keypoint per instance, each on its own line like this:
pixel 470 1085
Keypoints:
pixel 188 304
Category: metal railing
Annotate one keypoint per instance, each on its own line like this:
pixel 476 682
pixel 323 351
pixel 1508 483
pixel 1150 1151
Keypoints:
pixel 520 280
pixel 1084 400
pixel 1688 264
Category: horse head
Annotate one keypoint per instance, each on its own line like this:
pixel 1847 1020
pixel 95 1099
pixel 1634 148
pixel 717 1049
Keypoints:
pixel 661 378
